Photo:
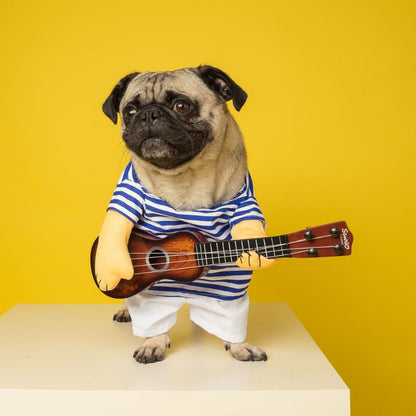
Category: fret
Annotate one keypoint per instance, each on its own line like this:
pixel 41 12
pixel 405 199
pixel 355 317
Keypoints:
pixel 248 248
pixel 236 251
pixel 271 247
pixel 197 256
pixel 265 247
pixel 281 246
pixel 226 255
pixel 211 252
pixel 252 244
pixel 202 255
pixel 285 241
pixel 231 253
pixel 224 259
pixel 243 250
pixel 257 246
pixel 217 249
pixel 215 253
pixel 205 255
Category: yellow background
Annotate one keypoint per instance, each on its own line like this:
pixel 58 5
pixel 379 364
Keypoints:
pixel 330 131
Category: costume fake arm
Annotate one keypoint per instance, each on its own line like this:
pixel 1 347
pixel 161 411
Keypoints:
pixel 245 230
pixel 113 261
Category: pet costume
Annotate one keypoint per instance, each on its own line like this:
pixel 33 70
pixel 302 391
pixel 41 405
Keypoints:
pixel 218 300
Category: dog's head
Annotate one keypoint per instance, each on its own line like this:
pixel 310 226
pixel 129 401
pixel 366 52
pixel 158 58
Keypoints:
pixel 167 118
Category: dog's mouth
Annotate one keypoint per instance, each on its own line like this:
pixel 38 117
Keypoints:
pixel 160 152
pixel 158 148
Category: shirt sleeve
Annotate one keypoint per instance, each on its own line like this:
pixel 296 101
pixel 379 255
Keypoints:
pixel 128 197
pixel 248 208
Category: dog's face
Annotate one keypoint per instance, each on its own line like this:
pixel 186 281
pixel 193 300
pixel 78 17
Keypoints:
pixel 167 118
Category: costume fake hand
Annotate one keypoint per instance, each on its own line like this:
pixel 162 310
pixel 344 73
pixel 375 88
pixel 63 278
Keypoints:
pixel 112 262
pixel 246 230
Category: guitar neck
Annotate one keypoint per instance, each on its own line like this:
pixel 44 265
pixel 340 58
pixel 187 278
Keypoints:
pixel 333 239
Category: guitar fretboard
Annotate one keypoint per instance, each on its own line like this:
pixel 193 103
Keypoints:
pixel 227 252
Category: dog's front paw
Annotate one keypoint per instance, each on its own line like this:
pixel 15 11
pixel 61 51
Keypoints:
pixel 152 350
pixel 122 315
pixel 243 351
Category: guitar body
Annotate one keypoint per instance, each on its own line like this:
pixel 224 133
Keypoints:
pixel 155 259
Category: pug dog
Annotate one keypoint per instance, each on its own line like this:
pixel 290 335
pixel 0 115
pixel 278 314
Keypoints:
pixel 188 171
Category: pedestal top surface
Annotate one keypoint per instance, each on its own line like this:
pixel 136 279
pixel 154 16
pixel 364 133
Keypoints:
pixel 79 347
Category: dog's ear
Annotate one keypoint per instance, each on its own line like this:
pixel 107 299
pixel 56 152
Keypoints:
pixel 223 85
pixel 111 105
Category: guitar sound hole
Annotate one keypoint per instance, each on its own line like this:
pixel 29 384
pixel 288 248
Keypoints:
pixel 157 259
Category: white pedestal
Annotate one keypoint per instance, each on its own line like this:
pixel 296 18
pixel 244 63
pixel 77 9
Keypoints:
pixel 74 360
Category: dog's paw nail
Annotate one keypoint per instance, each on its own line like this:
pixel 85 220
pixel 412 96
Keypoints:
pixel 246 352
pixel 122 316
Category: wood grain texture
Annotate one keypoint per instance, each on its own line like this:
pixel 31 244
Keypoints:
pixel 145 250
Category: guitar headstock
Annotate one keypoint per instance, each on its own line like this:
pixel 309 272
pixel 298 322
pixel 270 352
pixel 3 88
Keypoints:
pixel 334 239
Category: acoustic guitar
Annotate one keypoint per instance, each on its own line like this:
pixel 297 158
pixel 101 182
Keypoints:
pixel 186 256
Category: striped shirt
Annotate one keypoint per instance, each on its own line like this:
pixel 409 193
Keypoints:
pixel 157 218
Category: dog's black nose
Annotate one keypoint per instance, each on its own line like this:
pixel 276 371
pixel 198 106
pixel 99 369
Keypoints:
pixel 150 114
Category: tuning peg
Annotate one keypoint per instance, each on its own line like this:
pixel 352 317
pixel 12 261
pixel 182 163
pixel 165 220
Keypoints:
pixel 338 249
pixel 309 235
pixel 312 252
pixel 334 231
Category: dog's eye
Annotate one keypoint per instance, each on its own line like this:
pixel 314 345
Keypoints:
pixel 182 106
pixel 130 111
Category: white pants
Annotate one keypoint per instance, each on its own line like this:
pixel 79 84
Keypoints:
pixel 153 315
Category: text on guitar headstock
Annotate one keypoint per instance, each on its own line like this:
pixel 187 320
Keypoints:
pixel 334 239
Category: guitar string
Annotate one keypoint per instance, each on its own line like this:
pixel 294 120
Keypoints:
pixel 300 251
pixel 190 267
pixel 227 253
pixel 267 247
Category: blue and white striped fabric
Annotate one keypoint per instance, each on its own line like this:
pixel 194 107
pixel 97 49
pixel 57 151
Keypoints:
pixel 157 218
